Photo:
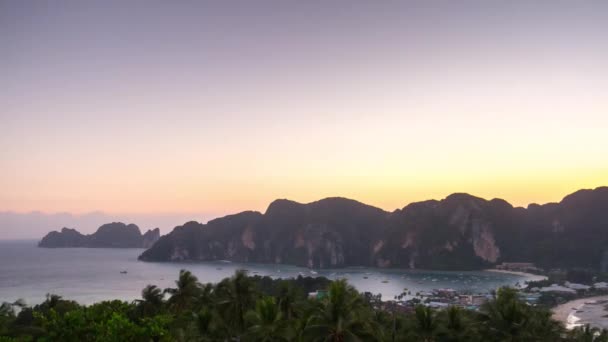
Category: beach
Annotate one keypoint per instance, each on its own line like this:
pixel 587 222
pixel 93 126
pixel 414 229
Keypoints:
pixel 529 276
pixel 583 311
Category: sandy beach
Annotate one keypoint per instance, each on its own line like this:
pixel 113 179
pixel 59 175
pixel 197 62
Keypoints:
pixel 583 311
pixel 530 276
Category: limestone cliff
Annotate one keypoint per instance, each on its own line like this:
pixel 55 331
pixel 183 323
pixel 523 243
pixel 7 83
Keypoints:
pixel 111 235
pixel 458 232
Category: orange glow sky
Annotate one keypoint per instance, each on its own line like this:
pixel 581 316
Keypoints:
pixel 212 108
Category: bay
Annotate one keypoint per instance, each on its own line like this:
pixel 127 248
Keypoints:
pixel 89 275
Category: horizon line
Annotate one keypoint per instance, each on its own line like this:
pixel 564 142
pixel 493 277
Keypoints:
pixel 109 213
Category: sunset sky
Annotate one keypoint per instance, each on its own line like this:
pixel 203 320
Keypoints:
pixel 155 107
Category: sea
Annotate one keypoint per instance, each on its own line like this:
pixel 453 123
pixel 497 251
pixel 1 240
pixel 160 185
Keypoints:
pixel 89 275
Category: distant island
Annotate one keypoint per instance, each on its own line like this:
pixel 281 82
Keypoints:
pixel 459 232
pixel 111 235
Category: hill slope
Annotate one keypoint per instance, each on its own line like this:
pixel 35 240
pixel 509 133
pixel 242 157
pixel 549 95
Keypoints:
pixel 458 232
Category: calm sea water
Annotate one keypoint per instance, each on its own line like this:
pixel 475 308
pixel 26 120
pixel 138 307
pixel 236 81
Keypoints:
pixel 89 275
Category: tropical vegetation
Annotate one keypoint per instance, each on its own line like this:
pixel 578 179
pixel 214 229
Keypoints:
pixel 244 308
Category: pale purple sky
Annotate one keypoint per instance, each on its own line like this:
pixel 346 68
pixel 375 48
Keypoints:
pixel 173 108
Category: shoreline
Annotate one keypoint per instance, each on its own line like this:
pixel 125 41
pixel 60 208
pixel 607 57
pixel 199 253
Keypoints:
pixel 535 277
pixel 563 312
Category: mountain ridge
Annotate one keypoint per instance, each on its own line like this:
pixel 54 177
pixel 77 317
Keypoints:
pixel 109 235
pixel 461 231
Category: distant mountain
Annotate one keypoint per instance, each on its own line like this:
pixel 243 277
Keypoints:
pixel 111 235
pixel 458 232
pixel 33 225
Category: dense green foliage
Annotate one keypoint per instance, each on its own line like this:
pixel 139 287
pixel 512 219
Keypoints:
pixel 243 308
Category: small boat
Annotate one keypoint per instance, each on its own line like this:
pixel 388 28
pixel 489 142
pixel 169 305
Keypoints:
pixel 365 277
pixel 123 272
pixel 313 272
pixel 385 281
pixel 219 268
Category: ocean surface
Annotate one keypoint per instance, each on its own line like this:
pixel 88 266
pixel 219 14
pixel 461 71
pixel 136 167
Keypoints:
pixel 89 275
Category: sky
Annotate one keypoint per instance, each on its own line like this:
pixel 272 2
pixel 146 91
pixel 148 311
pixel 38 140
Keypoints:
pixel 205 108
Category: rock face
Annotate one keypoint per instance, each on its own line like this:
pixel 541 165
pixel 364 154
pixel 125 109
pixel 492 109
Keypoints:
pixel 111 235
pixel 458 232
pixel 150 237
pixel 66 238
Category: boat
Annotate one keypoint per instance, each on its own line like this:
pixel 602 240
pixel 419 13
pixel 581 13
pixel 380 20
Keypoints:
pixel 385 281
pixel 123 272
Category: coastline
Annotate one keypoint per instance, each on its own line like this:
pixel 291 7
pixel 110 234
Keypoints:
pixel 565 312
pixel 531 276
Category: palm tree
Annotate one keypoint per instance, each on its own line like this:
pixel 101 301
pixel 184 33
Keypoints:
pixel 425 323
pixel 206 297
pixel 210 326
pixel 8 314
pixel 341 316
pixel 454 318
pixel 8 309
pixel 266 322
pixel 152 300
pixel 236 296
pixel 52 300
pixel 7 317
pixel 56 303
pixel 454 327
pixel 508 318
pixel 541 326
pixel 188 289
pixel 505 315
pixel 287 298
